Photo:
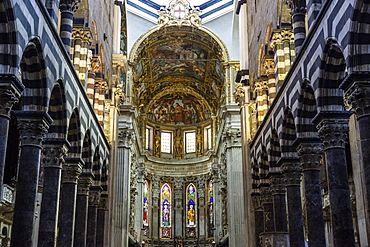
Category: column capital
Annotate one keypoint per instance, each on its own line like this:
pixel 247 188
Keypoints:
pixel 232 137
pixel 291 170
pixel 256 201
pixel 94 195
pixel 297 6
pixel 33 126
pixel 277 184
pixel 359 97
pixel 84 183
pixel 333 128
pixel 54 151
pixel 310 152
pixel 68 5
pixel 71 170
pixel 10 92
pixel 266 195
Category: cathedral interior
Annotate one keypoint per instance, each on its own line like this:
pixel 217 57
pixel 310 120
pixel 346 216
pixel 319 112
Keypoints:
pixel 178 123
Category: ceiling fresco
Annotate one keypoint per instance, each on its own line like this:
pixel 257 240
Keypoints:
pixel 182 59
pixel 178 109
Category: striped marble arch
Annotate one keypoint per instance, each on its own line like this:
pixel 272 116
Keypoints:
pixel 288 134
pixel 74 135
pixel 36 93
pixel 306 111
pixel 58 112
pixel 332 73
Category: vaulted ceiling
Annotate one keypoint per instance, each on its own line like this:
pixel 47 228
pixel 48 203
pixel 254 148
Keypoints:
pixel 179 62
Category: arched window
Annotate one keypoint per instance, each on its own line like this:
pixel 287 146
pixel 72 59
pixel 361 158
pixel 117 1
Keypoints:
pixel 210 207
pixel 146 208
pixel 166 211
pixel 191 210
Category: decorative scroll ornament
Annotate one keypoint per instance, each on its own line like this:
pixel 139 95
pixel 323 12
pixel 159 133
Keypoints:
pixel 179 13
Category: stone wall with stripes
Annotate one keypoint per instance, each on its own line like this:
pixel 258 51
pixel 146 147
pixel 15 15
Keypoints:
pixel 32 49
pixel 312 83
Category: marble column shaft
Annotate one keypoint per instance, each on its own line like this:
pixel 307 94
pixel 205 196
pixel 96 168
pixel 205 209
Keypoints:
pixel 54 151
pixel 268 209
pixel 67 9
pixel 10 90
pixel 291 170
pixel 83 187
pixel 94 200
pixel 178 208
pixel 100 227
pixel 279 202
pixel 310 153
pixel 299 25
pixel 32 126
pixel 71 170
pixel 258 217
pixel 333 129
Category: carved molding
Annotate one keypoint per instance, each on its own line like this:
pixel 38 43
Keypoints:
pixel 8 97
pixel 71 172
pixel 69 5
pixel 310 155
pixel 333 132
pixel 359 98
pixel 292 173
pixel 84 183
pixel 32 131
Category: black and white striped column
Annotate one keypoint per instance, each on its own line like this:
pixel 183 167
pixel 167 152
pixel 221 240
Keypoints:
pixel 299 24
pixel 67 9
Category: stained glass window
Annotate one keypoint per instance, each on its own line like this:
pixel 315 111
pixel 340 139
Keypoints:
pixel 191 211
pixel 166 211
pixel 190 142
pixel 166 139
pixel 146 208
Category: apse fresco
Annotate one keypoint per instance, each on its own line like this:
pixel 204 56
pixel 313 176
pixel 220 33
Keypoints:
pixel 182 109
pixel 179 59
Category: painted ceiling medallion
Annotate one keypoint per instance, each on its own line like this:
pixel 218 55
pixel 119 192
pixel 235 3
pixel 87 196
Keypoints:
pixel 179 13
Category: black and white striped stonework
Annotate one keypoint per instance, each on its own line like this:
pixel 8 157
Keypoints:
pixel 333 23
pixel 58 112
pixel 307 110
pixel 36 93
pixel 274 152
pixel 52 7
pixel 255 175
pixel 74 135
pixel 313 9
pixel 96 169
pixel 360 36
pixel 332 72
pixel 87 153
pixel 264 169
pixel 8 39
pixel 288 135
pixel 104 178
